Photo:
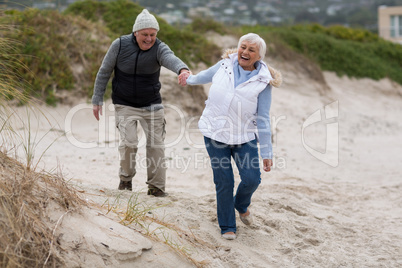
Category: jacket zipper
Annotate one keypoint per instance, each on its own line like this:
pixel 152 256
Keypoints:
pixel 135 74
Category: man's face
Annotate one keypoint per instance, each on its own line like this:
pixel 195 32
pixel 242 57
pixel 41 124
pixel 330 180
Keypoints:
pixel 146 38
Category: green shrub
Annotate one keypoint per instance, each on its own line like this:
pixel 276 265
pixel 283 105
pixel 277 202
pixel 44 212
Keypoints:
pixel 39 51
pixel 339 32
pixel 119 16
pixel 352 52
pixel 202 26
pixel 56 49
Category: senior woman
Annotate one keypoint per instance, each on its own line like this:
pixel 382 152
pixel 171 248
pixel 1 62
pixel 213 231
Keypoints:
pixel 235 116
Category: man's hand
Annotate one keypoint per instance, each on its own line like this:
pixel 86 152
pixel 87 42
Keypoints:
pixel 184 74
pixel 96 109
pixel 267 164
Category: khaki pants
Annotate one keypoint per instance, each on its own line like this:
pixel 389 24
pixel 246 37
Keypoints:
pixel 153 123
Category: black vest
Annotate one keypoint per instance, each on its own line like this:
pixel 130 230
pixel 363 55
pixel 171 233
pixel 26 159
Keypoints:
pixel 136 74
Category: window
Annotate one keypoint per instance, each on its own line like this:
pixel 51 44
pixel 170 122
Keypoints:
pixel 396 26
pixel 393 26
pixel 400 25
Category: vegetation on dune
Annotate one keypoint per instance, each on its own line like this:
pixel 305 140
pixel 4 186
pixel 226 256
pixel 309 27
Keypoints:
pixel 27 235
pixel 9 66
pixel 119 16
pixel 203 26
pixel 61 52
pixel 352 52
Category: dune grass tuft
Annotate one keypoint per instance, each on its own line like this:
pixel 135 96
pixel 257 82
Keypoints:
pixel 27 237
pixel 143 216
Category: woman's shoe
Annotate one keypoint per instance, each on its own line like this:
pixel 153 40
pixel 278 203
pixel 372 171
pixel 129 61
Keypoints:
pixel 229 236
pixel 247 220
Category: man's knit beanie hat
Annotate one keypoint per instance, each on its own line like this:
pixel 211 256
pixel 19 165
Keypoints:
pixel 145 20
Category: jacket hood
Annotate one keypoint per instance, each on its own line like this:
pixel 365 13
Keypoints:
pixel 276 75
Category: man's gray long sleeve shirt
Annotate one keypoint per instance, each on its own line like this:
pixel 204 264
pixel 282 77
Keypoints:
pixel 164 57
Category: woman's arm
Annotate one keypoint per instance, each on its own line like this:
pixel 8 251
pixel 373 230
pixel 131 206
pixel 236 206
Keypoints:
pixel 264 123
pixel 203 77
pixel 264 127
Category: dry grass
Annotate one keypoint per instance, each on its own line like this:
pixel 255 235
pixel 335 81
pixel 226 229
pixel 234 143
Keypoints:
pixel 11 84
pixel 26 237
pixel 10 80
pixel 142 216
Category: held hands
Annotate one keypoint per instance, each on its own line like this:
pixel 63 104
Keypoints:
pixel 267 164
pixel 184 74
pixel 96 109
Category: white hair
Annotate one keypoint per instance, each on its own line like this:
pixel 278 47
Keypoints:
pixel 253 38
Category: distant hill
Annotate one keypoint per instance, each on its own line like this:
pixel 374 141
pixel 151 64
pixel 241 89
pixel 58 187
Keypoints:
pixel 357 14
pixel 361 14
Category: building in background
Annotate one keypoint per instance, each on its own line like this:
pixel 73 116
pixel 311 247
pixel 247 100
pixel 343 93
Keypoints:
pixel 390 23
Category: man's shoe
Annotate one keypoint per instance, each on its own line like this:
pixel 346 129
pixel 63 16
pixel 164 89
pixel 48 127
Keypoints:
pixel 125 185
pixel 157 192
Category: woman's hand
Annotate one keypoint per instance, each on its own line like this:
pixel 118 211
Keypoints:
pixel 184 74
pixel 267 164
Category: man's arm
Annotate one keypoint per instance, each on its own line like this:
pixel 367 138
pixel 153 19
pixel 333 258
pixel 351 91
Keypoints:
pixel 104 73
pixel 103 76
pixel 168 60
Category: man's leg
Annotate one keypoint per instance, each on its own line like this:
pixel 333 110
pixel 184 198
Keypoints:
pixel 153 123
pixel 126 122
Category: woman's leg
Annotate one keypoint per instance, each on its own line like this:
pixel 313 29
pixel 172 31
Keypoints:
pixel 220 156
pixel 248 163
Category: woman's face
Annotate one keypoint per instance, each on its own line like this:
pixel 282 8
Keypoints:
pixel 247 55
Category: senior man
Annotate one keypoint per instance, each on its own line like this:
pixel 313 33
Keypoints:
pixel 136 60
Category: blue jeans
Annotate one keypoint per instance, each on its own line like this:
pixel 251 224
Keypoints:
pixel 247 161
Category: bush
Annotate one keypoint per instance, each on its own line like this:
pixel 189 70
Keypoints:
pixel 202 26
pixel 339 32
pixel 119 16
pixel 351 52
pixel 56 49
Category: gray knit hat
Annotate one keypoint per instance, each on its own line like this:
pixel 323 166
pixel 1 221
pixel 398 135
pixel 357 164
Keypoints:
pixel 145 20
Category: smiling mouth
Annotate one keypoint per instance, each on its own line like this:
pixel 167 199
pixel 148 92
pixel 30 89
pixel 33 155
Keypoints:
pixel 244 58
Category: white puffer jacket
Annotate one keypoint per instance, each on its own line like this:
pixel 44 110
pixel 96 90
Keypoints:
pixel 230 113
